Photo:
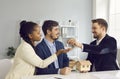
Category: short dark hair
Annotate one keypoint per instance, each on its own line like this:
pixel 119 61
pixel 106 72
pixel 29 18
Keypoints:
pixel 101 22
pixel 48 25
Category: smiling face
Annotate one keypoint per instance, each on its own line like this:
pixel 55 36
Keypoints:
pixel 35 35
pixel 54 33
pixel 97 30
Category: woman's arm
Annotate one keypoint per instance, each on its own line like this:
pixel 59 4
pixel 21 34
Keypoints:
pixel 28 54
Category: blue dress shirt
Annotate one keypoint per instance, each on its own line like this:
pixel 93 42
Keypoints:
pixel 52 48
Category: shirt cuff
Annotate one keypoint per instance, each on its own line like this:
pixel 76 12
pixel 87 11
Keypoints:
pixel 82 47
pixel 58 71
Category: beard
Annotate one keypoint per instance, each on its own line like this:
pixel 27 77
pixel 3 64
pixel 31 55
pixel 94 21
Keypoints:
pixel 95 36
pixel 52 37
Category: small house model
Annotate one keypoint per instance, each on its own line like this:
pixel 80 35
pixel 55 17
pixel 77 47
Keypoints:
pixel 83 66
pixel 72 64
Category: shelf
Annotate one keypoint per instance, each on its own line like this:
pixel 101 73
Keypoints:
pixel 65 26
pixel 64 37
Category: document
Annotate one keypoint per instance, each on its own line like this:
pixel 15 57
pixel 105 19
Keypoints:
pixel 55 78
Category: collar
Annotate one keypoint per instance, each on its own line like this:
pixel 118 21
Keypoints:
pixel 50 44
pixel 98 41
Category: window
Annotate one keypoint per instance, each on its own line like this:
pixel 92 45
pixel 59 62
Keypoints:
pixel 114 20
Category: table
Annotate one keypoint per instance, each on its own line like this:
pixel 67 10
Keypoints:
pixel 77 75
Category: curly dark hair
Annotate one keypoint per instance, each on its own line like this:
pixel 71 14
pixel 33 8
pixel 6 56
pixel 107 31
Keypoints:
pixel 27 28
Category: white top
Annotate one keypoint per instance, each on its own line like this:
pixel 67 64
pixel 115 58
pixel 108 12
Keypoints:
pixel 25 61
pixel 98 41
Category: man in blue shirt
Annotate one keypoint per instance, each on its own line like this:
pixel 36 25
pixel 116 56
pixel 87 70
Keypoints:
pixel 48 46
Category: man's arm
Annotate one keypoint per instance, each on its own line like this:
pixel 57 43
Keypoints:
pixel 40 71
pixel 108 47
pixel 65 57
pixel 62 71
pixel 65 60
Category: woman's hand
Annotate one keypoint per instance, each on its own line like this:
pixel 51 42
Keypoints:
pixel 63 51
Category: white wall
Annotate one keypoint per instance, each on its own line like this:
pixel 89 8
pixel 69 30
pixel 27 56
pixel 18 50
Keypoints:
pixel 101 9
pixel 13 11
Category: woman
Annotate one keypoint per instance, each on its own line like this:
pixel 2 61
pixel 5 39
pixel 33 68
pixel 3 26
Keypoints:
pixel 25 58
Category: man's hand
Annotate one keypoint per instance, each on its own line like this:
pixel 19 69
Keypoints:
pixel 63 51
pixel 65 71
pixel 73 42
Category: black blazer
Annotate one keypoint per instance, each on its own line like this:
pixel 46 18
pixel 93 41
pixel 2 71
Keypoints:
pixel 103 56
pixel 43 52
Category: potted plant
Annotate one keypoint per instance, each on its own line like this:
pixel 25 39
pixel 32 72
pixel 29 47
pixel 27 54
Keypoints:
pixel 11 52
